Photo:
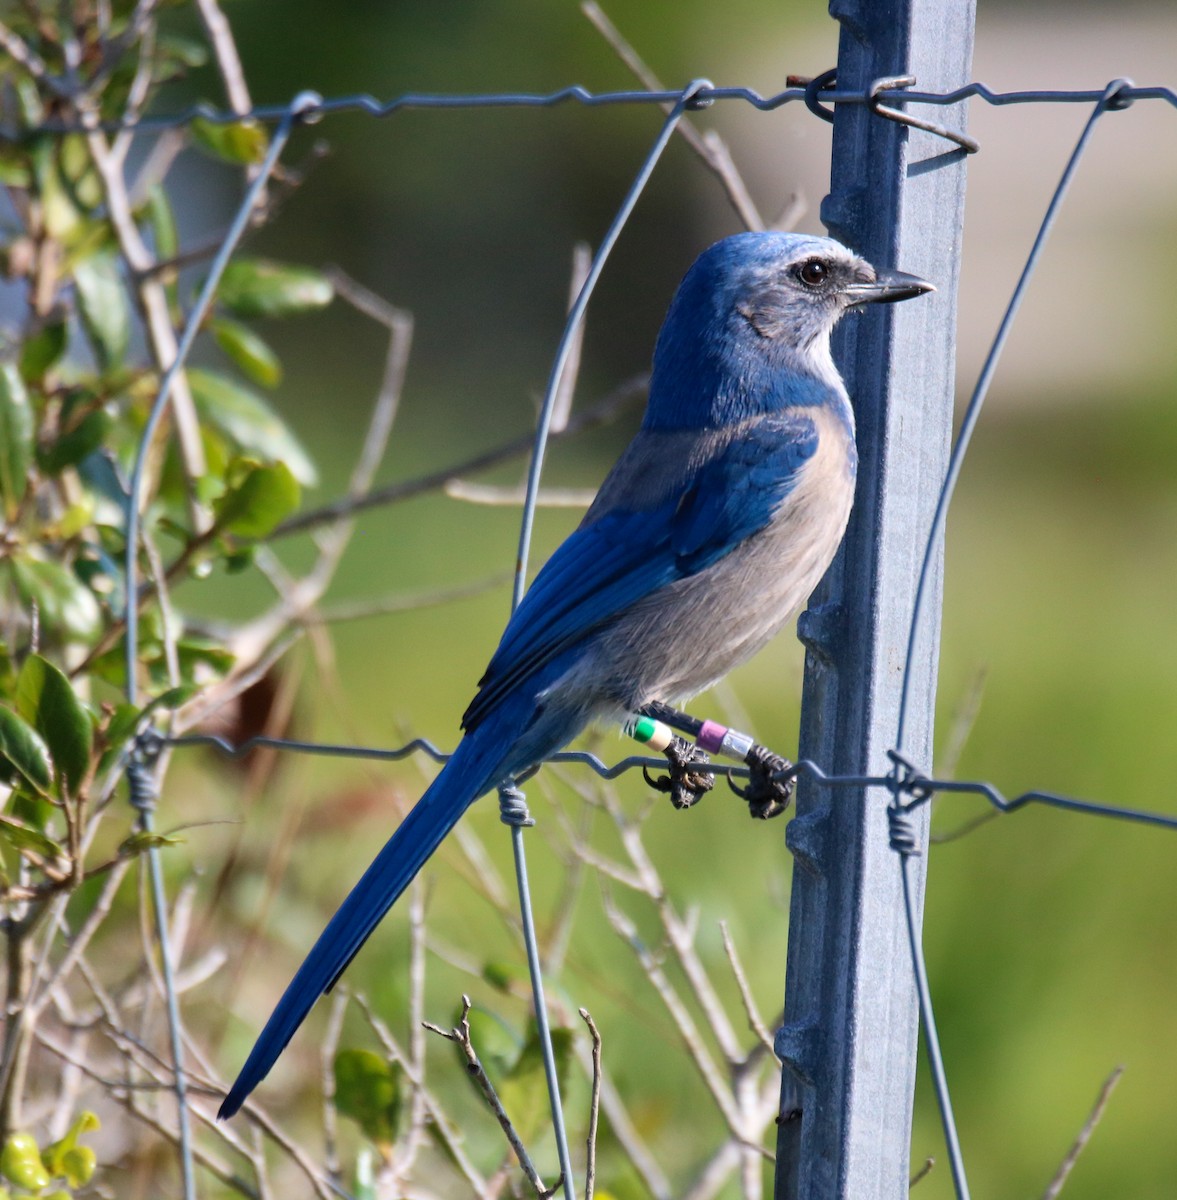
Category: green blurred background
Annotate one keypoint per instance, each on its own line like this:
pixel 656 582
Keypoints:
pixel 1050 937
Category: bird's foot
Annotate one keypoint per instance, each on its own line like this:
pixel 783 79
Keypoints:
pixel 767 794
pixel 686 783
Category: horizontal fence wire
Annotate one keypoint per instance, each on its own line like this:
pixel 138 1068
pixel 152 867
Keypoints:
pixel 916 788
pixel 907 786
pixel 368 105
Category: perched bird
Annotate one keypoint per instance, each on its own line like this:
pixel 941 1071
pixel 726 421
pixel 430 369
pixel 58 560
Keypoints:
pixel 707 535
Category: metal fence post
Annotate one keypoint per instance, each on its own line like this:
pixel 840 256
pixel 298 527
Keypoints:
pixel 851 1024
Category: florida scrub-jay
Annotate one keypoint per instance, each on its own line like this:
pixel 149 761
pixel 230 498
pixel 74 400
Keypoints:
pixel 707 535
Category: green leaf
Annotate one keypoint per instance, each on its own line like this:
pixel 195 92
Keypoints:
pixel 138 842
pixel 368 1090
pixel 196 652
pixel 122 724
pixel 248 352
pixel 504 976
pixel 260 287
pixel 44 348
pixel 242 142
pixel 23 747
pixel 102 305
pixel 266 496
pixel 172 699
pixel 20 1162
pixel 524 1092
pixel 65 604
pixel 75 444
pixel 23 837
pixel 78 172
pixel 16 438
pixel 185 52
pixel 246 419
pixel 46 699
pixel 163 224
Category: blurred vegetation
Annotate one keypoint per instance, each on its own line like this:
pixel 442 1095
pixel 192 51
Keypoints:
pixel 1049 936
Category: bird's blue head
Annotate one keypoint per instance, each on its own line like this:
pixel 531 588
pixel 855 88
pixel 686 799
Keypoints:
pixel 748 330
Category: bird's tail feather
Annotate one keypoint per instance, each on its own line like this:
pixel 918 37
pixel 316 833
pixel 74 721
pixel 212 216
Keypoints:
pixel 468 774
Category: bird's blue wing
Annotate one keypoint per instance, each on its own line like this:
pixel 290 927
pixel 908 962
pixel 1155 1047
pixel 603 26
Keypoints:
pixel 615 560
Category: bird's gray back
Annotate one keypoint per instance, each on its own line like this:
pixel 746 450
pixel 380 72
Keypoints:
pixel 684 638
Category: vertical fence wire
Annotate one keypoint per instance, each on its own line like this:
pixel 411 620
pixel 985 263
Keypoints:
pixel 141 764
pixel 1111 100
pixel 1106 103
pixel 543 428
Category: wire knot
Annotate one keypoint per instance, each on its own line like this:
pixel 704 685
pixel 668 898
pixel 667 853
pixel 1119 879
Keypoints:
pixel 1114 98
pixel 140 771
pixel 908 780
pixel 307 108
pixel 692 99
pixel 513 807
pixel 901 825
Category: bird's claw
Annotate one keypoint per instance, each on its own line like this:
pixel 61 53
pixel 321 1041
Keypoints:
pixel 685 783
pixel 766 794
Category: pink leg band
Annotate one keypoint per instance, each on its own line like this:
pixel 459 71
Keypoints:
pixel 710 737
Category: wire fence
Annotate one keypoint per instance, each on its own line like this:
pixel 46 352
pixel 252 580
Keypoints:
pixel 908 784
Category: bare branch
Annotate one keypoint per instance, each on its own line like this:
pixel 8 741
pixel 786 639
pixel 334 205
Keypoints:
pixel 1080 1143
pixel 460 1035
pixel 599 414
pixel 709 147
pixel 442 1125
pixel 327 1075
pixel 514 495
pixel 225 51
pixel 922 1173
pixel 22 53
pixel 755 1023
pixel 153 303
pixel 590 1172
pixel 684 1022
pixel 582 261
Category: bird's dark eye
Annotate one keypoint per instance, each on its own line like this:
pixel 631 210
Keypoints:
pixel 813 273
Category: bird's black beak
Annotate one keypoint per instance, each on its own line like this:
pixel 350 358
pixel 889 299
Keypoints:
pixel 888 286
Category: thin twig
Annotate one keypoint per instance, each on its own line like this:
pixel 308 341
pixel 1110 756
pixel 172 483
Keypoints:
pixel 512 495
pixel 922 1173
pixel 678 934
pixel 460 1035
pixel 1080 1143
pixel 359 610
pixel 688 1031
pixel 327 1074
pixel 392 493
pixel 119 1092
pixel 23 54
pixel 710 147
pixel 449 1136
pixel 582 261
pixel 590 1171
pixel 225 51
pixel 755 1023
pixel 154 305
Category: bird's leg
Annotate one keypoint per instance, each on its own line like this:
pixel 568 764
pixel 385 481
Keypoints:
pixel 770 783
pixel 770 777
pixel 688 781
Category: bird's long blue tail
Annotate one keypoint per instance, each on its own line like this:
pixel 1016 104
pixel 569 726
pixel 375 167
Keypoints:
pixel 474 767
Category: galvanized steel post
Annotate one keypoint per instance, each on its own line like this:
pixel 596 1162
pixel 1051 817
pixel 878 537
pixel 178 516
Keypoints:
pixel 851 1023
